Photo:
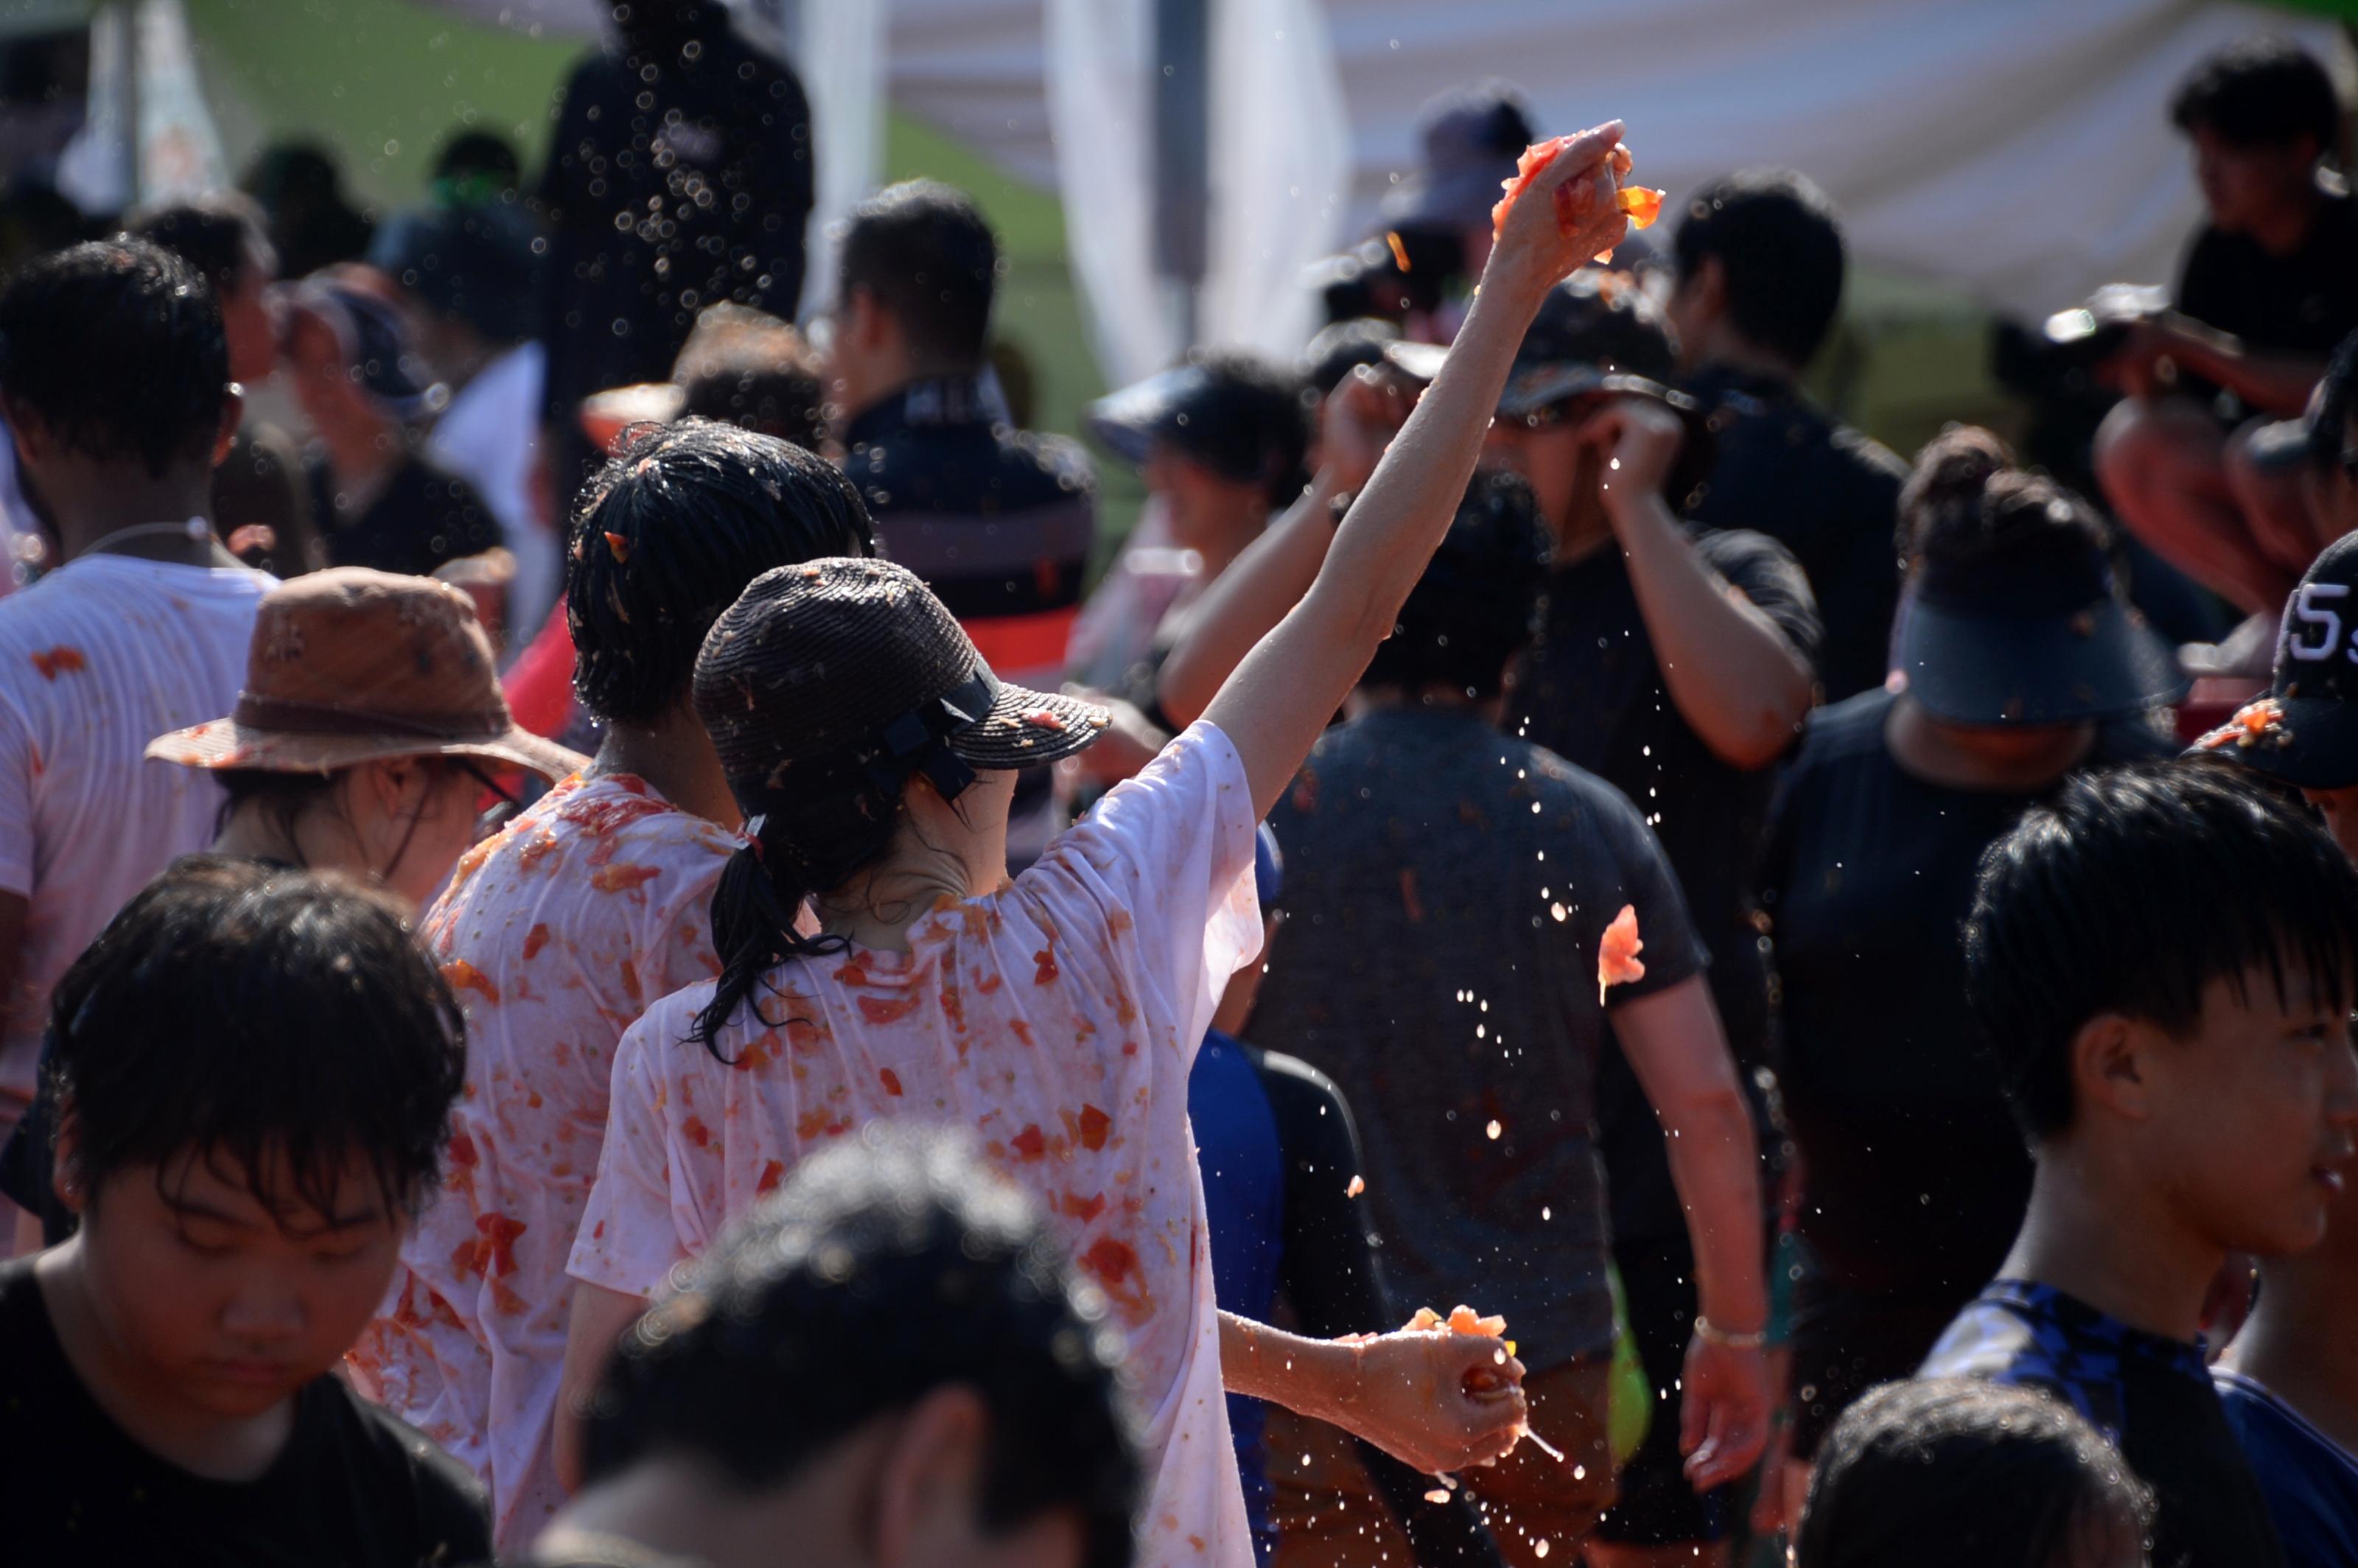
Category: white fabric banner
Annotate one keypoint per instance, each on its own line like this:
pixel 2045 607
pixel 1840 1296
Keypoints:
pixel 1099 90
pixel 2019 150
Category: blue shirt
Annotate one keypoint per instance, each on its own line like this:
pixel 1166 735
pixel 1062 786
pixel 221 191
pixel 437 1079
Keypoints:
pixel 1242 1162
pixel 2309 1480
pixel 2150 1396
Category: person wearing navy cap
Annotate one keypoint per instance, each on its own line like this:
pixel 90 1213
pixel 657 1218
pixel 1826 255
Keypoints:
pixel 2305 731
pixel 359 379
pixel 2290 1395
pixel 2017 665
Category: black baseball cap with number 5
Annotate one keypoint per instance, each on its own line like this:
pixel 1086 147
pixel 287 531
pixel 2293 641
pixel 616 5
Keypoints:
pixel 2305 731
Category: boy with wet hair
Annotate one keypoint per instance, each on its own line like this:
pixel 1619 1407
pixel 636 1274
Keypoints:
pixel 2161 961
pixel 731 1418
pixel 253 1070
pixel 558 934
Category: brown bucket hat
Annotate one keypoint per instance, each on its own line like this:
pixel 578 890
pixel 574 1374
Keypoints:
pixel 843 671
pixel 353 665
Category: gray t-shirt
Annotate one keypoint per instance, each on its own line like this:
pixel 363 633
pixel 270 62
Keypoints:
pixel 1446 889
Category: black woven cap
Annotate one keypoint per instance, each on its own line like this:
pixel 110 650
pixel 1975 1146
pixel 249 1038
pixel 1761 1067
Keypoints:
pixel 2306 730
pixel 822 671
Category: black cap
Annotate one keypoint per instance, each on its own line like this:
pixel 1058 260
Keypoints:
pixel 2033 632
pixel 1471 137
pixel 1596 334
pixel 2305 731
pixel 1238 416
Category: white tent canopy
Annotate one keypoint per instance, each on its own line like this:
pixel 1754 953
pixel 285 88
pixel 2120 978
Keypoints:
pixel 2017 150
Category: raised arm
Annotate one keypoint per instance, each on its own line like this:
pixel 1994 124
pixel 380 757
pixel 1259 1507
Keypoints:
pixel 1287 688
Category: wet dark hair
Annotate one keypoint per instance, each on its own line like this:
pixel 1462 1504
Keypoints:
pixel 1474 608
pixel 924 251
pixel 1965 501
pixel 746 368
pixel 904 1243
pixel 668 535
pixel 1260 411
pixel 238 1010
pixel 1780 243
pixel 2337 404
pixel 220 234
pixel 479 160
pixel 1950 1473
pixel 117 347
pixel 2261 91
pixel 2128 893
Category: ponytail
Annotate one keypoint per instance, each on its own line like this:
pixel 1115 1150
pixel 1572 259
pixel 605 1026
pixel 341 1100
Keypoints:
pixel 797 851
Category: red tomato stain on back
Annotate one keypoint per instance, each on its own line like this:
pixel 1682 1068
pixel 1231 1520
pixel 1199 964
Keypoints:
pixel 696 1133
pixel 1029 1143
pixel 534 941
pixel 891 1081
pixel 888 1009
pixel 1095 1125
pixel 772 1170
pixel 59 660
pixel 462 976
pixel 1046 959
pixel 622 877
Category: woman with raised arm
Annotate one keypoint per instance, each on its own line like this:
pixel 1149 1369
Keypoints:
pixel 1056 1015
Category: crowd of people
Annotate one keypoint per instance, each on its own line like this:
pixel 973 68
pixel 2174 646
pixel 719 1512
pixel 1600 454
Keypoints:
pixel 630 954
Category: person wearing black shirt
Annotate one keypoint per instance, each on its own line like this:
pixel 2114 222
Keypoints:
pixel 1914 1177
pixel 680 174
pixel 377 500
pixel 890 1360
pixel 169 1370
pixel 997 521
pixel 1759 279
pixel 2161 961
pixel 1675 663
pixel 2200 460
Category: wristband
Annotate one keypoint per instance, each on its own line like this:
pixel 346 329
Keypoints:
pixel 1705 1329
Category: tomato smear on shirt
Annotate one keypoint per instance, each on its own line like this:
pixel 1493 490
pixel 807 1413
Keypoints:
pixel 462 976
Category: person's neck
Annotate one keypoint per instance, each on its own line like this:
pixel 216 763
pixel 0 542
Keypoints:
pixel 2096 1233
pixel 2298 1343
pixel 129 498
pixel 675 758
pixel 895 383
pixel 363 455
pixel 1583 534
pixel 2284 229
pixel 1436 695
pixel 673 1507
pixel 252 833
pixel 181 1434
pixel 1991 760
pixel 1730 350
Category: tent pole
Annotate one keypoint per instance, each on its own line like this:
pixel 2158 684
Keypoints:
pixel 1182 151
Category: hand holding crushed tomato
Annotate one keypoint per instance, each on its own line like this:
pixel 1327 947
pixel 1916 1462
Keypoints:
pixel 1563 210
pixel 1441 1395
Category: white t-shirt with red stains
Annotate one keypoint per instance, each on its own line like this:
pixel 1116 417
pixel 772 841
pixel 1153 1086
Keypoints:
pixel 97 659
pixel 555 935
pixel 1055 1019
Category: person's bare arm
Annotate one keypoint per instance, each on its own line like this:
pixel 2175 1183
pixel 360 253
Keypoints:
pixel 2270 380
pixel 1408 1393
pixel 1268 579
pixel 600 1317
pixel 1737 678
pixel 1676 1045
pixel 1290 685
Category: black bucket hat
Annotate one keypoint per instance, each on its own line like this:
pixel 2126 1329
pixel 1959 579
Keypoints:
pixel 1470 138
pixel 2305 731
pixel 1234 413
pixel 1598 334
pixel 2036 634
pixel 375 342
pixel 846 673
